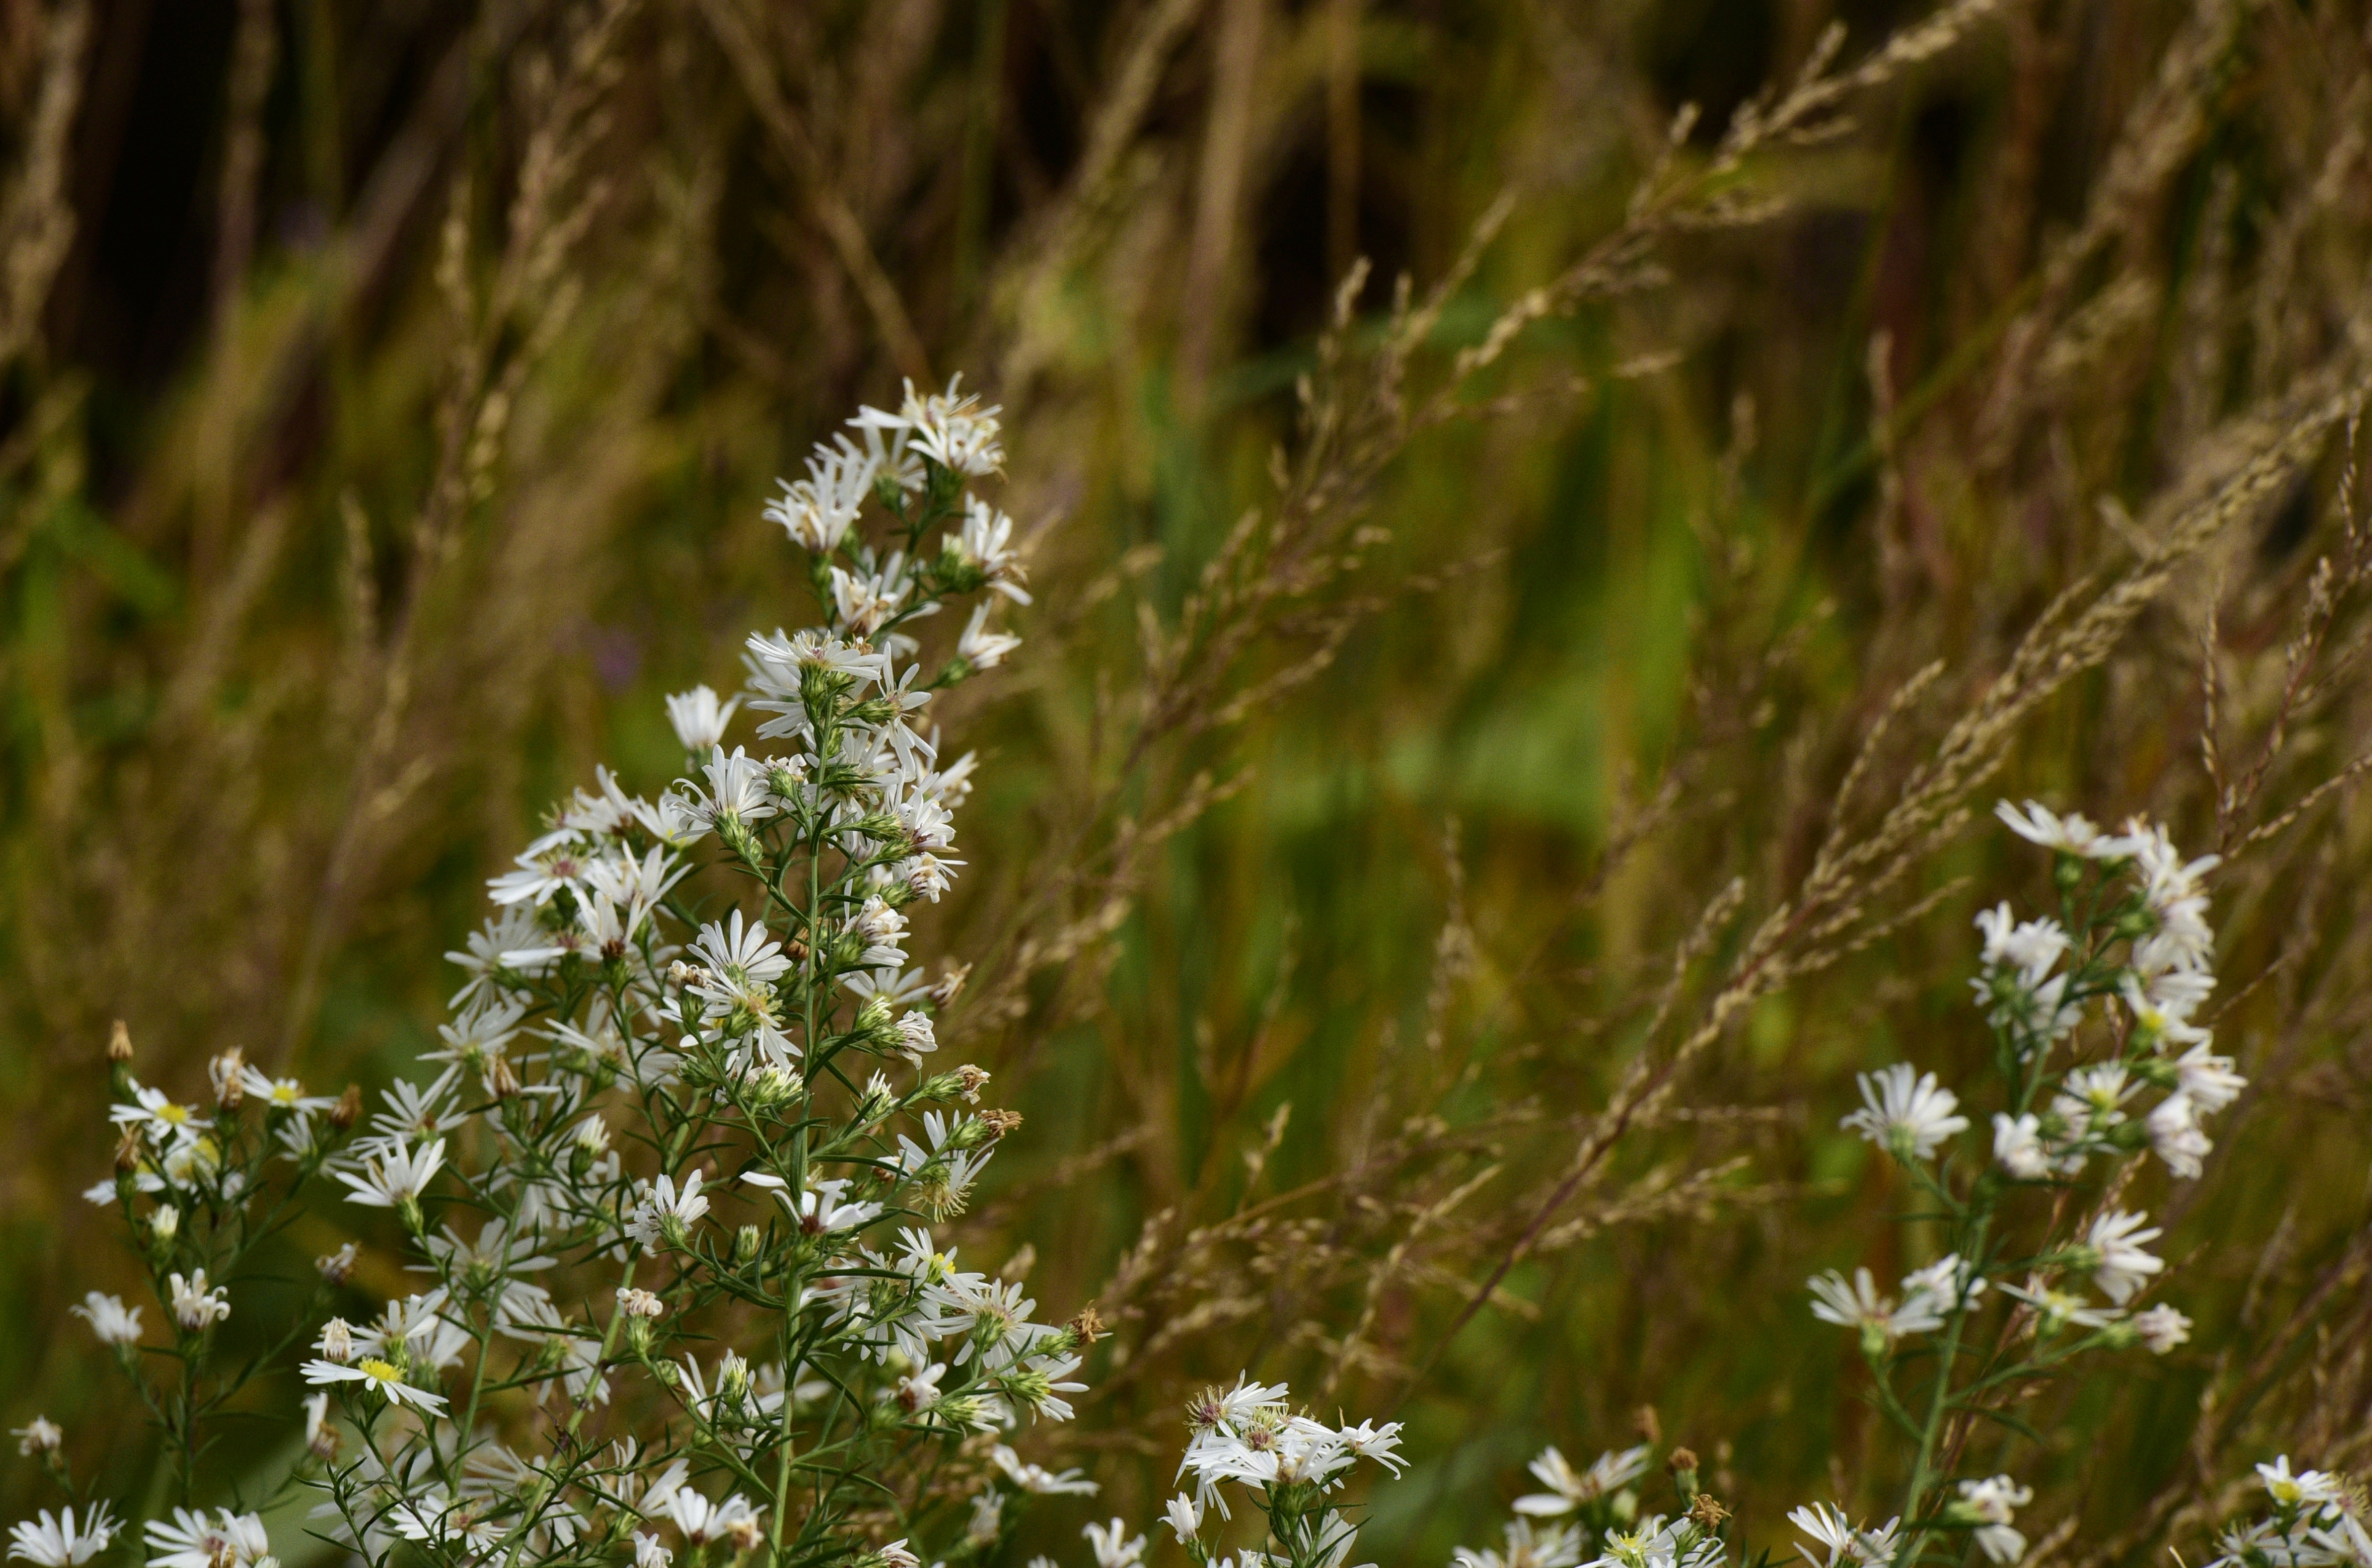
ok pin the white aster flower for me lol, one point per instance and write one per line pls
(2301, 1490)
(114, 1323)
(2176, 1135)
(382, 1378)
(58, 1541)
(2162, 1328)
(699, 720)
(1037, 1478)
(2112, 1253)
(1993, 1503)
(39, 1435)
(2033, 947)
(1857, 1305)
(2208, 1080)
(2072, 834)
(1183, 1515)
(196, 1307)
(2018, 1148)
(152, 1110)
(1904, 1113)
(1112, 1550)
(703, 1521)
(987, 542)
(1837, 1539)
(665, 1214)
(818, 511)
(2055, 1309)
(1527, 1545)
(1567, 1490)
(982, 648)
(394, 1177)
(193, 1540)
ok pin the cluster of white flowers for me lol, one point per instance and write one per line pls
(2131, 947)
(2312, 1519)
(2137, 935)
(683, 1102)
(639, 1050)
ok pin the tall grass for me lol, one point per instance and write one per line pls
(1499, 749)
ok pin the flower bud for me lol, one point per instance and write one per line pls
(118, 1043)
(745, 1245)
(339, 1266)
(349, 1108)
(224, 1072)
(165, 1224)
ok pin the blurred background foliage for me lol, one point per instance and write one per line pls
(392, 388)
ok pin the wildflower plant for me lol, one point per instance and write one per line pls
(2097, 1065)
(671, 1189)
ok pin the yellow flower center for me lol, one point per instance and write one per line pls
(380, 1371)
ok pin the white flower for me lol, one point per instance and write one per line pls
(2072, 834)
(282, 1094)
(2089, 1096)
(2162, 1328)
(649, 1553)
(1037, 1478)
(1858, 1305)
(2033, 949)
(1904, 1113)
(317, 1416)
(154, 1109)
(950, 428)
(818, 510)
(1527, 1546)
(382, 1377)
(1111, 1549)
(192, 1541)
(2117, 1261)
(1944, 1285)
(987, 542)
(396, 1176)
(2175, 1133)
(896, 1555)
(979, 646)
(2161, 1007)
(1184, 1517)
(2305, 1488)
(820, 1208)
(2054, 1308)
(743, 959)
(698, 719)
(114, 1323)
(39, 1435)
(703, 1521)
(195, 1307)
(1994, 1503)
(2208, 1080)
(665, 1213)
(56, 1541)
(2018, 1146)
(1609, 1473)
(1831, 1531)
(864, 602)
(640, 1303)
